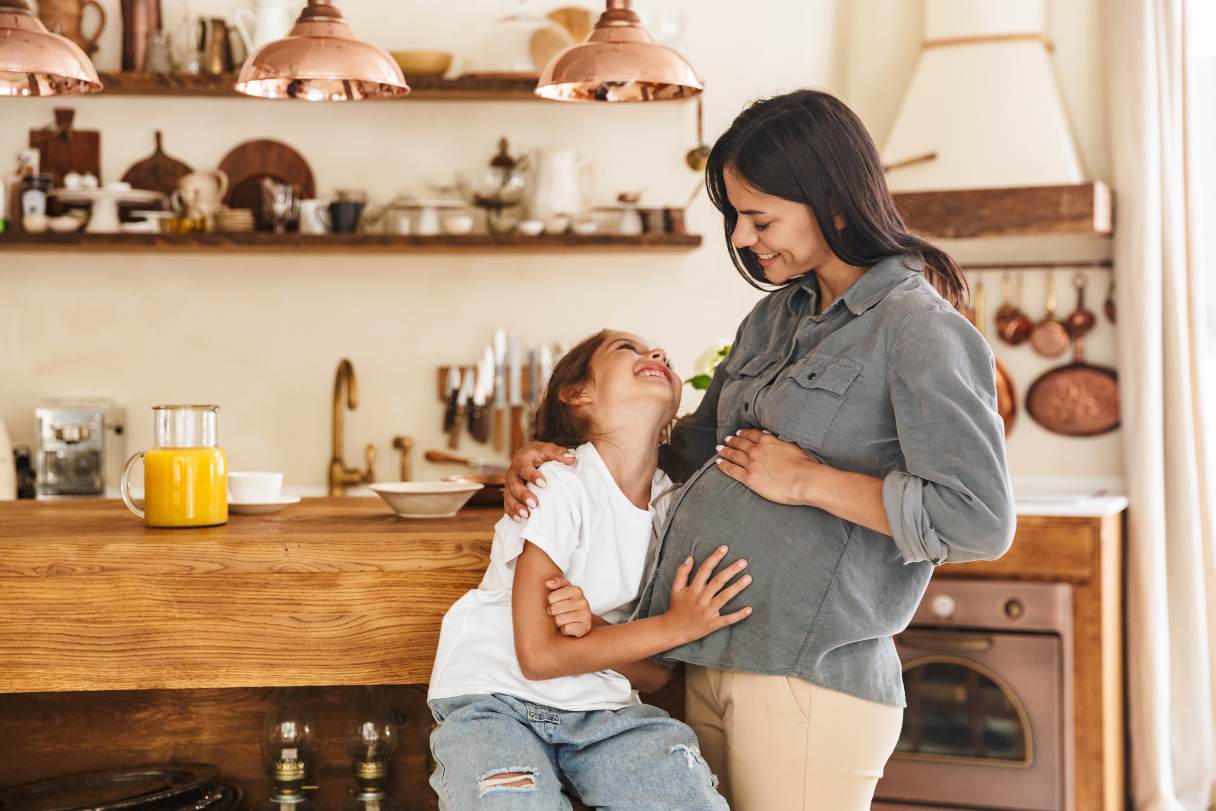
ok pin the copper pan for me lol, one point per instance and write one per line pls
(1077, 399)
(1006, 394)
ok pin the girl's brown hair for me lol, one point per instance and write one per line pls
(557, 421)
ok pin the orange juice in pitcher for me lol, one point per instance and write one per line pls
(185, 474)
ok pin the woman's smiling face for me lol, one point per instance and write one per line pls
(781, 234)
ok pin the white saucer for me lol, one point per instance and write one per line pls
(261, 508)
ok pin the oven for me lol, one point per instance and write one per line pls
(988, 674)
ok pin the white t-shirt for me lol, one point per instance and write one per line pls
(600, 540)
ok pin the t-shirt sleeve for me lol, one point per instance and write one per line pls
(553, 526)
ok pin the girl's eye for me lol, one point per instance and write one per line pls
(762, 226)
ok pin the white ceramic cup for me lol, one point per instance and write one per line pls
(254, 487)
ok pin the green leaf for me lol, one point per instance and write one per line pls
(699, 382)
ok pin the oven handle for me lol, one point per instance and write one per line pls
(948, 643)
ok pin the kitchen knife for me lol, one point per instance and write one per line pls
(483, 390)
(450, 390)
(500, 388)
(532, 395)
(462, 403)
(515, 393)
(546, 367)
(477, 403)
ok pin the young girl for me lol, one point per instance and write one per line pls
(526, 709)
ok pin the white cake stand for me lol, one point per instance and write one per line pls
(104, 202)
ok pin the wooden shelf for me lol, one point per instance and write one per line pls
(487, 88)
(1086, 208)
(264, 242)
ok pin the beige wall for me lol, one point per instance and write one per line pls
(261, 335)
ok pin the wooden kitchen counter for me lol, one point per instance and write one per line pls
(325, 592)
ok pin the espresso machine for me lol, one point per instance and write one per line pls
(81, 447)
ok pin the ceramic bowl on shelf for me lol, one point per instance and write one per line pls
(425, 499)
(422, 63)
(66, 224)
(458, 224)
(531, 228)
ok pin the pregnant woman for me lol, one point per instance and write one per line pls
(848, 444)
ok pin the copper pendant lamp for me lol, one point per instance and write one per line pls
(321, 60)
(35, 62)
(619, 61)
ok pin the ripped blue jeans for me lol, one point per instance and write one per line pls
(498, 752)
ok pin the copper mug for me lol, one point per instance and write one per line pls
(66, 17)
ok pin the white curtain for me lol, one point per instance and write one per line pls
(1161, 95)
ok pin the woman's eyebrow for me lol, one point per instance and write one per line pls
(751, 212)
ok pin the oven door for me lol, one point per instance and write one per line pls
(984, 725)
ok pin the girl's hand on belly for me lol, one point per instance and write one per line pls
(779, 471)
(569, 608)
(696, 603)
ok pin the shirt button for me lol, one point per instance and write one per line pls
(811, 376)
(745, 407)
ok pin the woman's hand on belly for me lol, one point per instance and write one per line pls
(771, 468)
(784, 473)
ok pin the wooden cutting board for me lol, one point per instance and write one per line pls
(157, 172)
(66, 149)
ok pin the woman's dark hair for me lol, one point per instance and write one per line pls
(808, 147)
(557, 421)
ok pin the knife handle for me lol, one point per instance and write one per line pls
(500, 428)
(517, 428)
(454, 435)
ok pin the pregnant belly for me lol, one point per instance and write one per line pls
(791, 551)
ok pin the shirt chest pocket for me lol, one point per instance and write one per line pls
(744, 378)
(812, 396)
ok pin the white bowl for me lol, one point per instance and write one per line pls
(426, 499)
(254, 487)
(458, 224)
(585, 228)
(35, 223)
(65, 224)
(531, 228)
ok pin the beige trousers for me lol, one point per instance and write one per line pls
(778, 743)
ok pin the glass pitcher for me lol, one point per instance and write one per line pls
(185, 473)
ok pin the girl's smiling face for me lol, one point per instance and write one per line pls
(781, 234)
(626, 373)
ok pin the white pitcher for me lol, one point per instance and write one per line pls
(271, 20)
(561, 182)
(200, 194)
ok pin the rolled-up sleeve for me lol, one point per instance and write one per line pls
(953, 502)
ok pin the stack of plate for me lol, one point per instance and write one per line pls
(176, 787)
(234, 219)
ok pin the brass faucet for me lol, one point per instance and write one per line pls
(340, 476)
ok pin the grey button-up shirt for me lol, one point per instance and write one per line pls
(889, 381)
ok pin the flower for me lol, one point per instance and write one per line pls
(706, 363)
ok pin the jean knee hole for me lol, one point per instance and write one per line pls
(510, 779)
